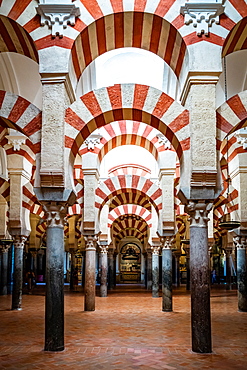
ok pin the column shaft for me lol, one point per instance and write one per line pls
(103, 279)
(18, 273)
(110, 271)
(89, 304)
(149, 271)
(166, 279)
(200, 290)
(242, 279)
(54, 307)
(155, 275)
(4, 272)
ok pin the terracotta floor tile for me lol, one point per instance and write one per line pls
(127, 331)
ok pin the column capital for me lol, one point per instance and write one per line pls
(55, 212)
(240, 241)
(90, 242)
(19, 241)
(155, 249)
(103, 249)
(166, 242)
(198, 211)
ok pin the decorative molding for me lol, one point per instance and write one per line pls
(55, 213)
(203, 178)
(240, 241)
(198, 213)
(16, 141)
(51, 178)
(57, 15)
(92, 141)
(198, 78)
(202, 14)
(163, 141)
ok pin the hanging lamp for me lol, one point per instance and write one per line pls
(227, 223)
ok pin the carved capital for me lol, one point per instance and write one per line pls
(155, 250)
(55, 213)
(4, 248)
(92, 141)
(19, 241)
(163, 141)
(167, 242)
(90, 242)
(103, 249)
(57, 16)
(202, 14)
(198, 212)
(240, 241)
(16, 141)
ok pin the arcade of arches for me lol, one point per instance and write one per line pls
(123, 151)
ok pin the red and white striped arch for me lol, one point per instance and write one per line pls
(5, 189)
(124, 184)
(19, 114)
(131, 209)
(30, 202)
(237, 38)
(14, 38)
(126, 133)
(128, 29)
(126, 102)
(137, 198)
(231, 116)
(130, 169)
(156, 12)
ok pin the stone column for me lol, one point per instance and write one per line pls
(110, 269)
(187, 251)
(240, 242)
(149, 269)
(18, 271)
(90, 246)
(228, 252)
(177, 255)
(54, 305)
(166, 243)
(155, 271)
(72, 268)
(200, 280)
(4, 270)
(103, 267)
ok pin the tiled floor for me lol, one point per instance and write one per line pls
(128, 330)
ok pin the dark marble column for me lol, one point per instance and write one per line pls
(241, 242)
(149, 270)
(72, 268)
(18, 272)
(177, 266)
(155, 271)
(103, 268)
(200, 280)
(167, 243)
(110, 269)
(90, 246)
(228, 252)
(187, 251)
(54, 304)
(4, 270)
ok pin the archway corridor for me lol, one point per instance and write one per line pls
(128, 330)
